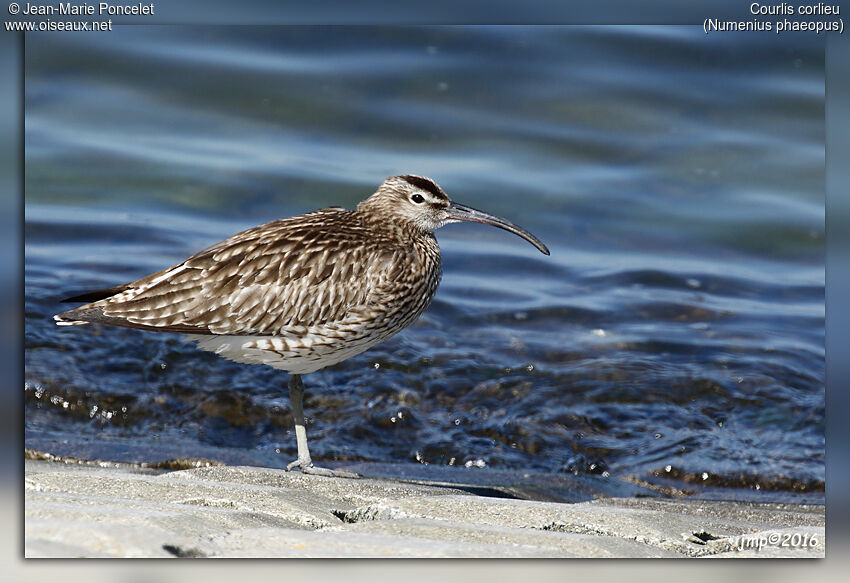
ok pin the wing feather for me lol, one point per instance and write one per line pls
(317, 269)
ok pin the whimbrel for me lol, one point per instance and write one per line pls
(301, 293)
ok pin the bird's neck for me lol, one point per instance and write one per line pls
(394, 227)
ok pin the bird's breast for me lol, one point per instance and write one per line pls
(418, 278)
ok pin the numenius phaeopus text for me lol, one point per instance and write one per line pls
(302, 293)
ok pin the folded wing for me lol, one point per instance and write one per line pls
(311, 270)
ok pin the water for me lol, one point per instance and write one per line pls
(675, 336)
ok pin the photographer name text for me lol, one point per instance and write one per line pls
(85, 9)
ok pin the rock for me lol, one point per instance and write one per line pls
(224, 511)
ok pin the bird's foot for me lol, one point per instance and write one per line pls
(308, 468)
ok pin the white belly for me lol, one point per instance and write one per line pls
(301, 358)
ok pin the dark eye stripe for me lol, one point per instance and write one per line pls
(426, 184)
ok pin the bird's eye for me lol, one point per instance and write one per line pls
(417, 198)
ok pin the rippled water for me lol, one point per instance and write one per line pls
(674, 336)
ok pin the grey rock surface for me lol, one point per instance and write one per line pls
(222, 511)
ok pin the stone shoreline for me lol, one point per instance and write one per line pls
(227, 511)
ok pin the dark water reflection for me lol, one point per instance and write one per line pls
(675, 334)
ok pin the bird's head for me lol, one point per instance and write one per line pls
(421, 203)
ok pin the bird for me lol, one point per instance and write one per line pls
(301, 293)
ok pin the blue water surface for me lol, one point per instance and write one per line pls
(674, 336)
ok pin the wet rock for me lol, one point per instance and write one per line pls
(224, 511)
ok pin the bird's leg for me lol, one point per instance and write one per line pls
(296, 399)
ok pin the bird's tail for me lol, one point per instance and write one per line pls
(77, 316)
(65, 319)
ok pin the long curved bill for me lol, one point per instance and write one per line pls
(461, 212)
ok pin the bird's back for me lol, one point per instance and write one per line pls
(329, 272)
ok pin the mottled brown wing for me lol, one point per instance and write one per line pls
(305, 271)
